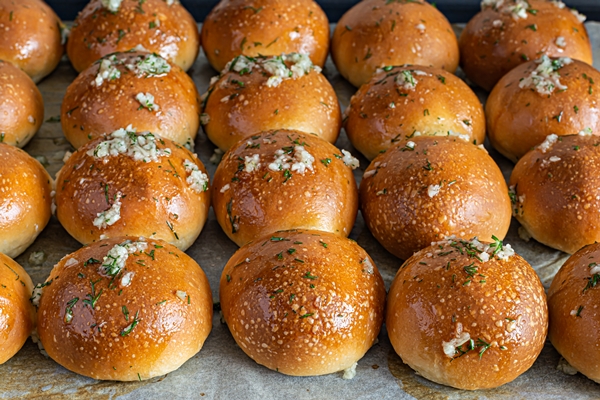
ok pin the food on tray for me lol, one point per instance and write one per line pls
(284, 179)
(124, 309)
(25, 200)
(554, 191)
(542, 97)
(507, 33)
(431, 187)
(133, 183)
(103, 27)
(21, 106)
(16, 311)
(376, 33)
(303, 302)
(136, 88)
(265, 27)
(254, 94)
(401, 102)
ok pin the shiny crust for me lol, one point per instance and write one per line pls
(168, 30)
(382, 112)
(251, 204)
(376, 33)
(265, 27)
(156, 202)
(25, 200)
(31, 37)
(21, 106)
(16, 311)
(488, 52)
(93, 344)
(557, 201)
(308, 104)
(519, 119)
(395, 202)
(88, 111)
(320, 296)
(429, 299)
(573, 312)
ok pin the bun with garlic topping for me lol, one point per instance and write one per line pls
(431, 187)
(133, 184)
(25, 200)
(254, 94)
(467, 314)
(401, 102)
(507, 33)
(284, 179)
(265, 27)
(21, 106)
(32, 37)
(554, 191)
(103, 27)
(303, 302)
(376, 33)
(124, 310)
(16, 311)
(136, 88)
(539, 98)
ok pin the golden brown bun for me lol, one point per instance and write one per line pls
(442, 293)
(157, 198)
(443, 186)
(384, 112)
(555, 192)
(31, 36)
(21, 106)
(240, 104)
(303, 302)
(520, 118)
(89, 111)
(263, 200)
(265, 27)
(168, 30)
(25, 200)
(87, 317)
(490, 49)
(572, 304)
(16, 311)
(376, 33)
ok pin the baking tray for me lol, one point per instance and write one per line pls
(221, 369)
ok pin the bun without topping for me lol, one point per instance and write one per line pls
(303, 302)
(125, 311)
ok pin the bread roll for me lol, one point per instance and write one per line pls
(284, 179)
(398, 102)
(539, 98)
(133, 184)
(134, 88)
(265, 27)
(467, 314)
(25, 200)
(303, 302)
(21, 106)
(159, 26)
(572, 304)
(16, 311)
(554, 192)
(432, 187)
(508, 33)
(376, 33)
(31, 36)
(124, 310)
(255, 94)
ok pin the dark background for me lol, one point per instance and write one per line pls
(454, 10)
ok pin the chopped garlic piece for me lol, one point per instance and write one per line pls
(197, 179)
(139, 146)
(350, 160)
(224, 188)
(433, 190)
(547, 144)
(111, 5)
(147, 101)
(115, 259)
(516, 8)
(107, 70)
(560, 41)
(350, 373)
(110, 216)
(461, 338)
(252, 163)
(204, 118)
(545, 77)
